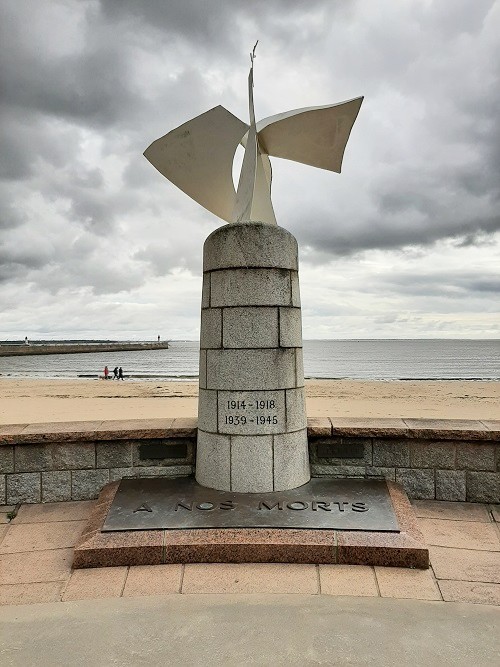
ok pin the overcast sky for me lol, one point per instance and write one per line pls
(405, 243)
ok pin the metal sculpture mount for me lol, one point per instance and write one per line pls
(198, 156)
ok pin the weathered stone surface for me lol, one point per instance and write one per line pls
(207, 410)
(213, 458)
(3, 490)
(257, 409)
(319, 427)
(250, 287)
(205, 291)
(56, 486)
(290, 327)
(6, 459)
(251, 463)
(295, 409)
(121, 473)
(299, 367)
(294, 280)
(382, 473)
(250, 244)
(291, 460)
(113, 455)
(472, 456)
(450, 485)
(432, 454)
(252, 327)
(391, 453)
(483, 487)
(238, 369)
(203, 369)
(86, 484)
(447, 429)
(55, 456)
(418, 484)
(337, 471)
(379, 427)
(23, 488)
(163, 471)
(211, 328)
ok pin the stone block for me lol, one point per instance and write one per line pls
(251, 412)
(250, 287)
(163, 471)
(291, 460)
(3, 490)
(202, 372)
(250, 244)
(23, 488)
(471, 456)
(391, 453)
(121, 473)
(56, 486)
(381, 473)
(450, 485)
(113, 454)
(299, 367)
(251, 463)
(290, 327)
(205, 291)
(483, 487)
(207, 410)
(319, 427)
(87, 484)
(296, 418)
(251, 327)
(211, 328)
(432, 454)
(294, 282)
(6, 459)
(213, 460)
(418, 484)
(238, 369)
(55, 456)
(337, 471)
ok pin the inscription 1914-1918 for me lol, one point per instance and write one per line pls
(251, 412)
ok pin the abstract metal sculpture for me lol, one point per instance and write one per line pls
(198, 156)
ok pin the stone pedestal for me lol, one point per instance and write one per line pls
(252, 434)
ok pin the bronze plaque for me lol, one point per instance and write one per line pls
(342, 504)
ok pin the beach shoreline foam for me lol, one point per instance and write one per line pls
(27, 401)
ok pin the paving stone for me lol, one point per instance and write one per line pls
(24, 488)
(87, 484)
(466, 591)
(356, 580)
(433, 509)
(417, 483)
(450, 485)
(250, 327)
(6, 459)
(56, 486)
(483, 487)
(495, 513)
(55, 456)
(41, 536)
(432, 454)
(36, 566)
(211, 328)
(391, 453)
(465, 564)
(471, 456)
(250, 578)
(401, 582)
(153, 580)
(32, 593)
(95, 583)
(114, 454)
(57, 511)
(460, 534)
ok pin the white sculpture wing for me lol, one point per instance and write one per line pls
(198, 156)
(315, 135)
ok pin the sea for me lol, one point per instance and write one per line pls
(436, 359)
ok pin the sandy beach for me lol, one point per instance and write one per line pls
(24, 401)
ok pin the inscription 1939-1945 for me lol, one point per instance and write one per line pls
(144, 504)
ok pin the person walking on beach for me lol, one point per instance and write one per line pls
(115, 373)
(120, 373)
(106, 372)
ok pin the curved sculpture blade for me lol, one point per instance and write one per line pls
(316, 136)
(198, 156)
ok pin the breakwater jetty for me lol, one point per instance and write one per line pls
(22, 350)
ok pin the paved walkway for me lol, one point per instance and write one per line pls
(36, 550)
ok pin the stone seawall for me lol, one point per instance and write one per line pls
(34, 348)
(446, 459)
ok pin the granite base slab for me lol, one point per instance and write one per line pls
(251, 545)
